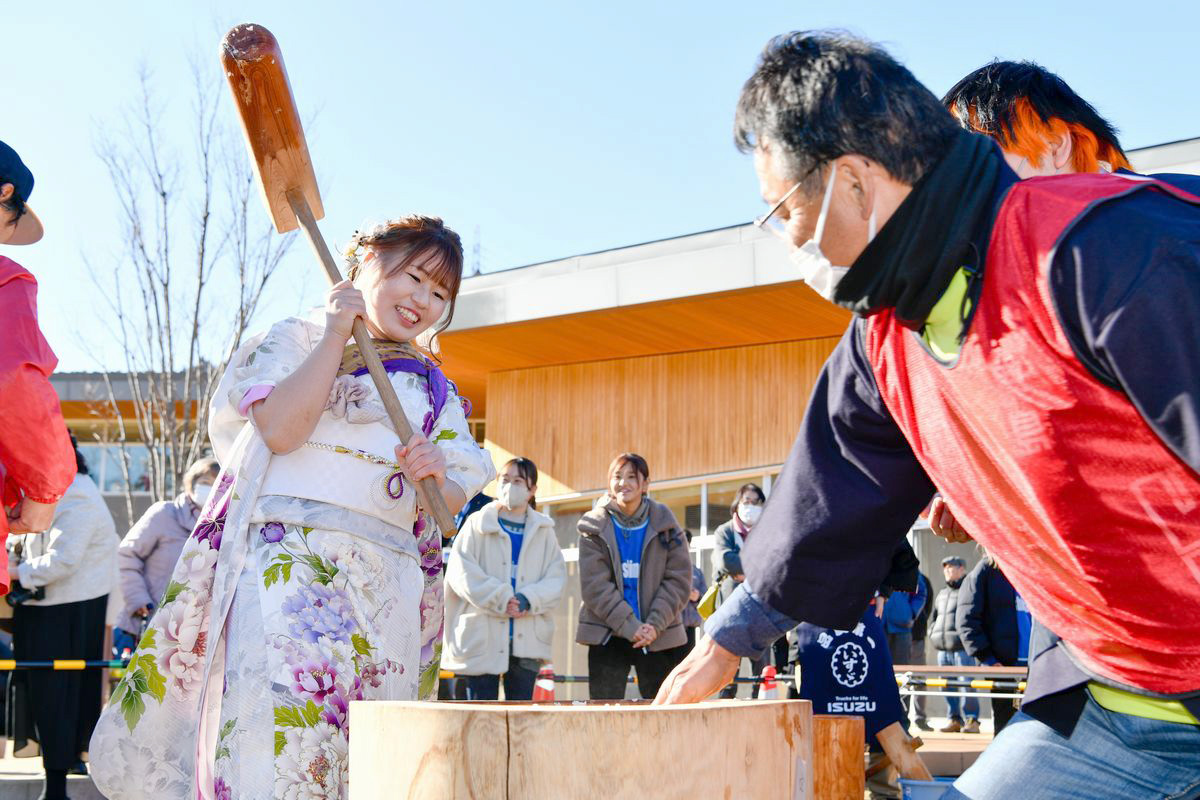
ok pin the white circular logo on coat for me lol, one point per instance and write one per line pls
(849, 663)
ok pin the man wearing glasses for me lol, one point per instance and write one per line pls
(1027, 348)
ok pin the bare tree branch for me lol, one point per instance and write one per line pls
(197, 256)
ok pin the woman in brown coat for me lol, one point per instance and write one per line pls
(635, 574)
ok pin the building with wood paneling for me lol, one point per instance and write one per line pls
(698, 352)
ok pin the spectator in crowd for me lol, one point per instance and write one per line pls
(943, 631)
(36, 464)
(65, 576)
(994, 625)
(919, 629)
(900, 613)
(745, 509)
(148, 552)
(691, 615)
(504, 578)
(635, 575)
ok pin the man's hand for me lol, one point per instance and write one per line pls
(644, 636)
(704, 672)
(29, 516)
(513, 609)
(695, 595)
(943, 523)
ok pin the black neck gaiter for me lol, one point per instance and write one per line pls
(909, 265)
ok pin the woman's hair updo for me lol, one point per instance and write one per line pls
(422, 241)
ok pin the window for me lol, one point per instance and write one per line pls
(104, 465)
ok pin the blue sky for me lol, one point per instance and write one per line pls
(552, 128)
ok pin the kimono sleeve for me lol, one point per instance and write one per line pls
(467, 464)
(277, 355)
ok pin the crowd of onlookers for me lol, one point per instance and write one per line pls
(79, 591)
(644, 599)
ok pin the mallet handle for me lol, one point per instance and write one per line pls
(428, 493)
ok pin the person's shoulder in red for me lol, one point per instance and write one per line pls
(37, 461)
(11, 270)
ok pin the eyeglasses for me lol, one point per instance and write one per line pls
(772, 223)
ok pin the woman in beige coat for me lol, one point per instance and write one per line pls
(504, 577)
(635, 575)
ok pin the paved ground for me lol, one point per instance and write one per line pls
(21, 779)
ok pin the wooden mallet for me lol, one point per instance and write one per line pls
(254, 66)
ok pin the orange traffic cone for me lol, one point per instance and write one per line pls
(768, 687)
(543, 688)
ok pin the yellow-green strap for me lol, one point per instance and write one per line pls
(1135, 705)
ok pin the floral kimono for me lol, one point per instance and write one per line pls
(311, 579)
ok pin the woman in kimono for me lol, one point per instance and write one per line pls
(312, 577)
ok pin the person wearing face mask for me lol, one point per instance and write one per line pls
(745, 509)
(148, 552)
(504, 579)
(635, 576)
(1026, 349)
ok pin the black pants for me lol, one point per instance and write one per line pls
(1003, 709)
(518, 683)
(64, 705)
(608, 668)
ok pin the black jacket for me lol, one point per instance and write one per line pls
(921, 622)
(987, 615)
(943, 625)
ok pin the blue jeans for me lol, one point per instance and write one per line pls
(518, 684)
(959, 658)
(1108, 755)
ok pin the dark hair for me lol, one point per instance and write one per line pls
(81, 466)
(818, 95)
(527, 470)
(1014, 101)
(14, 205)
(634, 460)
(746, 487)
(426, 242)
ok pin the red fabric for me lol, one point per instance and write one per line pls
(1094, 520)
(36, 457)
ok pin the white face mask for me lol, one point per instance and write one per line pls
(513, 495)
(200, 493)
(749, 514)
(815, 269)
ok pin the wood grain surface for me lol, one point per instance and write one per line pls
(463, 751)
(687, 413)
(838, 744)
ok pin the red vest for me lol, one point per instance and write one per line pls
(1094, 520)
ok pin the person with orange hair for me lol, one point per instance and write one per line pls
(1041, 124)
